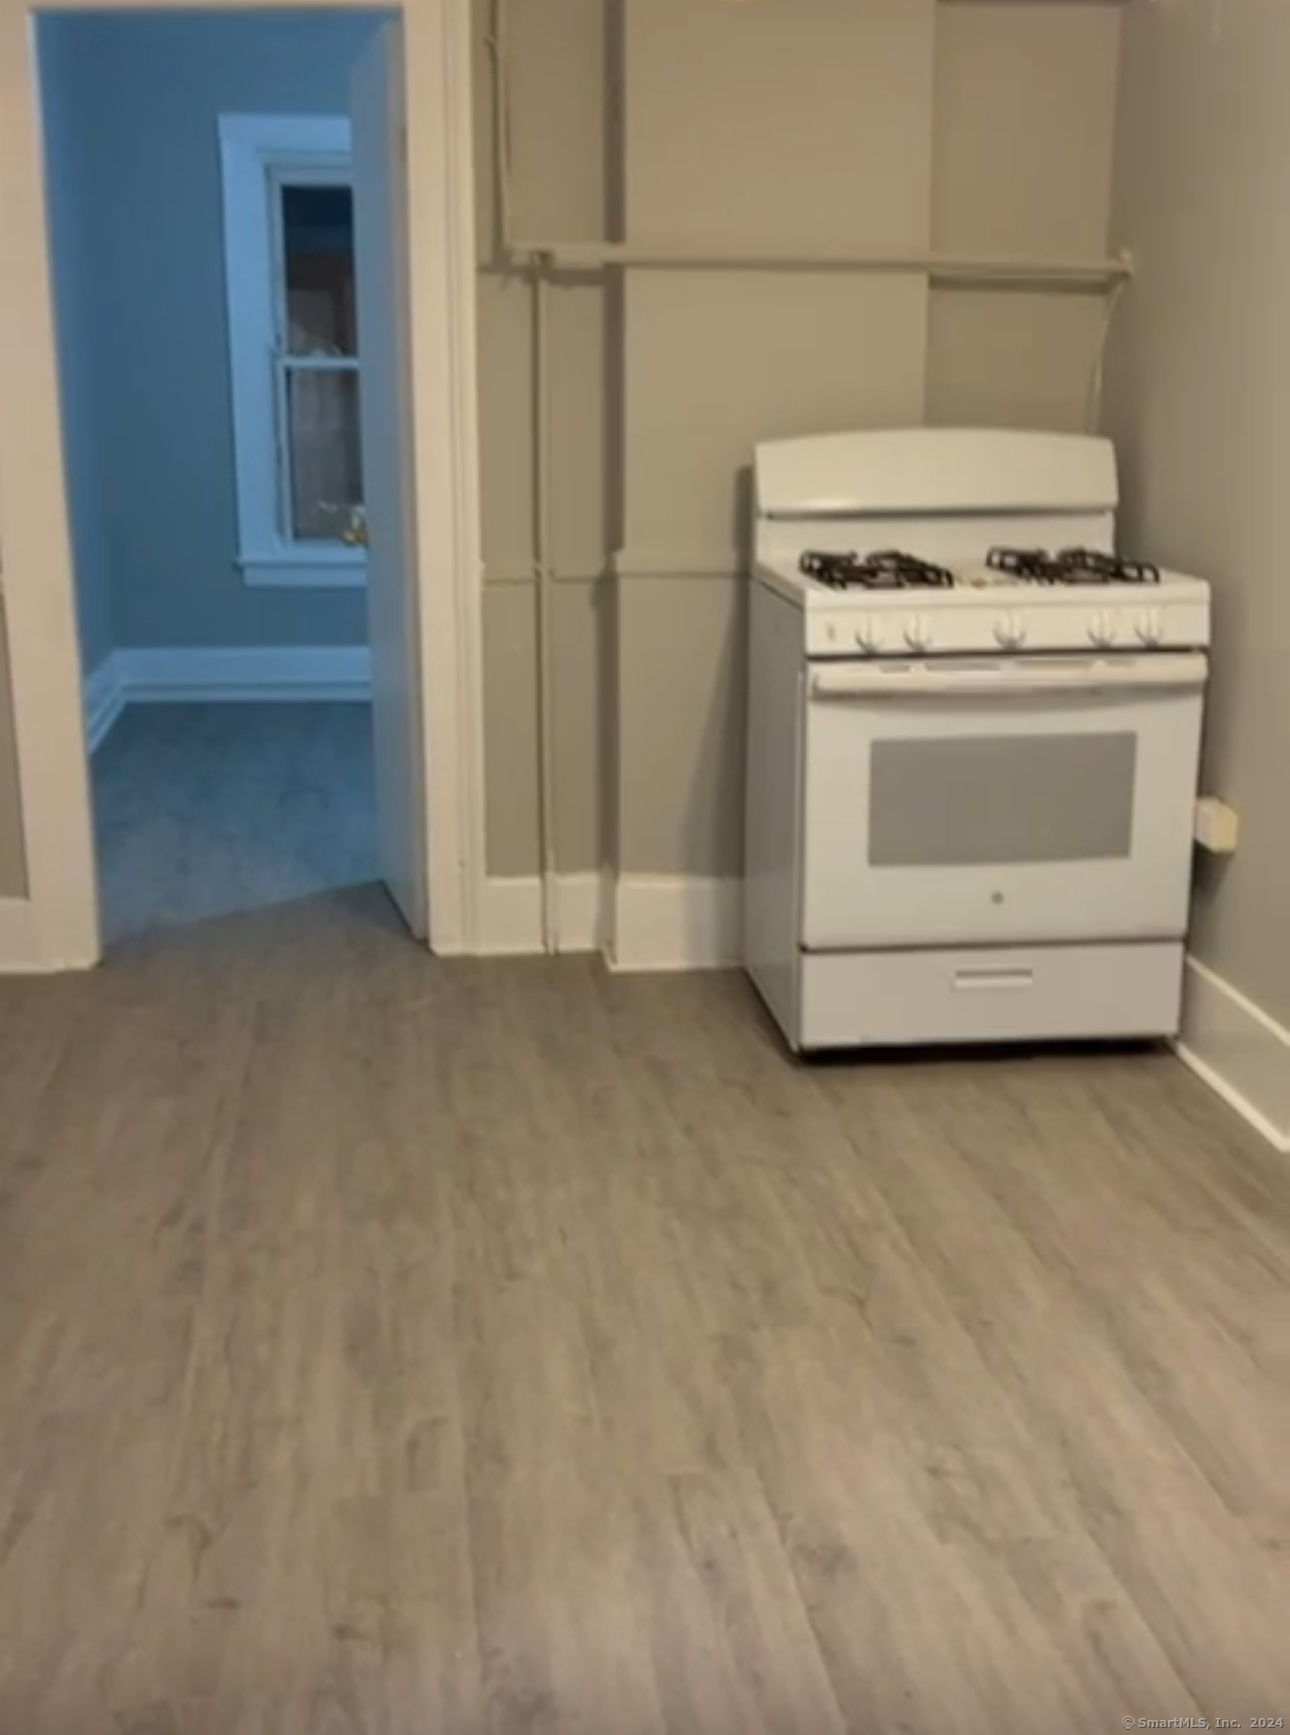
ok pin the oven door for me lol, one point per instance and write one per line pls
(988, 802)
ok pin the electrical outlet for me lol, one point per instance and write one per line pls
(1218, 826)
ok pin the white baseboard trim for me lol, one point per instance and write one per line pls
(640, 922)
(676, 923)
(246, 672)
(104, 701)
(21, 953)
(1239, 1051)
(510, 916)
(234, 673)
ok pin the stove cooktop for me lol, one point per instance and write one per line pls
(891, 569)
(1070, 566)
(895, 569)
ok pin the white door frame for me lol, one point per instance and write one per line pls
(57, 926)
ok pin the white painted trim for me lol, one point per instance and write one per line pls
(641, 922)
(510, 918)
(511, 915)
(38, 580)
(1239, 1051)
(251, 147)
(445, 400)
(235, 673)
(39, 596)
(666, 923)
(288, 573)
(21, 952)
(25, 949)
(580, 913)
(606, 910)
(104, 701)
(245, 672)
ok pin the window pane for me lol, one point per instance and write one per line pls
(991, 800)
(318, 259)
(325, 455)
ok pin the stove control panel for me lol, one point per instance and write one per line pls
(1104, 629)
(945, 627)
(1150, 628)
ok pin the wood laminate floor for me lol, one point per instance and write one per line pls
(391, 1347)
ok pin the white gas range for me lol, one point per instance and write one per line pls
(974, 740)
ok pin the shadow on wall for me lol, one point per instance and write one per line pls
(742, 535)
(714, 813)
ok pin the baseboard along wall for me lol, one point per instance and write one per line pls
(21, 953)
(1239, 1051)
(233, 673)
(641, 922)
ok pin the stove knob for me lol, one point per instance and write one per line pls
(1151, 627)
(867, 637)
(1010, 631)
(918, 633)
(1102, 630)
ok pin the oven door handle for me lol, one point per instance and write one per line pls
(1011, 681)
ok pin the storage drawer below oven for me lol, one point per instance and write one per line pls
(1014, 994)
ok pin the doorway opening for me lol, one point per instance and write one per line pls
(227, 221)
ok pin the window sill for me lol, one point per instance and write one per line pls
(344, 570)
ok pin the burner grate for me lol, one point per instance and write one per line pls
(888, 569)
(1071, 566)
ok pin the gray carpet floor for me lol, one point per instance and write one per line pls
(209, 810)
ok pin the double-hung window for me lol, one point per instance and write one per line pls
(293, 339)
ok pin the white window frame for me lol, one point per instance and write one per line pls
(257, 152)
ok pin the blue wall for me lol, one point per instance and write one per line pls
(131, 106)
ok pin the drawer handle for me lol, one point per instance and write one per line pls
(986, 981)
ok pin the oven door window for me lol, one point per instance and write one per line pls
(998, 820)
(1002, 799)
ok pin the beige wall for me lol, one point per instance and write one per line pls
(785, 128)
(1197, 400)
(1024, 100)
(13, 867)
(979, 128)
